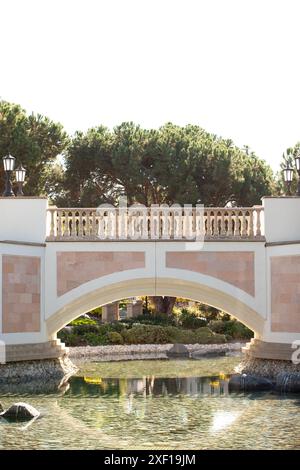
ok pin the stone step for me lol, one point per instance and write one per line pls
(26, 352)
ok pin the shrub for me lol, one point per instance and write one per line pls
(202, 336)
(151, 319)
(115, 338)
(94, 339)
(70, 339)
(233, 329)
(82, 329)
(145, 334)
(189, 320)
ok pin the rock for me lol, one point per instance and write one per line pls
(249, 383)
(1, 408)
(20, 412)
(200, 354)
(288, 382)
(177, 351)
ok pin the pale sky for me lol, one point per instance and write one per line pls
(230, 66)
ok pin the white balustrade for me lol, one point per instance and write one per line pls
(156, 223)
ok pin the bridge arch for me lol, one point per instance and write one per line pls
(163, 286)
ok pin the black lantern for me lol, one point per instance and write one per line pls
(20, 178)
(288, 178)
(9, 165)
(297, 161)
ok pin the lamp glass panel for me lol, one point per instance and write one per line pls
(20, 175)
(9, 163)
(288, 175)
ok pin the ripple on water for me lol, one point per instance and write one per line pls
(155, 405)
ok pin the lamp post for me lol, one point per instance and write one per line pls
(297, 161)
(288, 178)
(20, 178)
(9, 165)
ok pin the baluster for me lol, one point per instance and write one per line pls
(80, 224)
(165, 234)
(122, 223)
(237, 224)
(66, 227)
(258, 222)
(154, 222)
(52, 225)
(145, 232)
(222, 231)
(73, 223)
(208, 224)
(93, 234)
(244, 224)
(251, 228)
(101, 225)
(216, 228)
(229, 226)
(199, 223)
(59, 224)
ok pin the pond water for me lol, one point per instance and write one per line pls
(155, 405)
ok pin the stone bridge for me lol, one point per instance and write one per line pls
(57, 264)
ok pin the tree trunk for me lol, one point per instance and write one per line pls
(163, 304)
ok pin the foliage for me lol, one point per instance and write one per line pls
(201, 335)
(288, 160)
(233, 329)
(114, 337)
(151, 319)
(145, 334)
(170, 165)
(189, 319)
(83, 321)
(35, 141)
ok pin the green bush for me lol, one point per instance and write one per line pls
(151, 319)
(82, 329)
(233, 329)
(70, 339)
(189, 320)
(115, 338)
(145, 334)
(94, 339)
(202, 336)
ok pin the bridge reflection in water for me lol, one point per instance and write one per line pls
(149, 386)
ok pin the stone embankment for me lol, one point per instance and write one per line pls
(147, 351)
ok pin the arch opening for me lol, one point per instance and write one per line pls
(164, 287)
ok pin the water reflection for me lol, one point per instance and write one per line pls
(155, 405)
(149, 386)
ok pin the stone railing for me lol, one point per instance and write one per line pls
(214, 223)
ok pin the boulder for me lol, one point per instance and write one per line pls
(178, 351)
(200, 354)
(20, 412)
(288, 382)
(1, 408)
(249, 383)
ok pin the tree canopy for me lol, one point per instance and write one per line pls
(35, 141)
(170, 165)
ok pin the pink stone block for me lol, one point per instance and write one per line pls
(76, 268)
(20, 277)
(236, 268)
